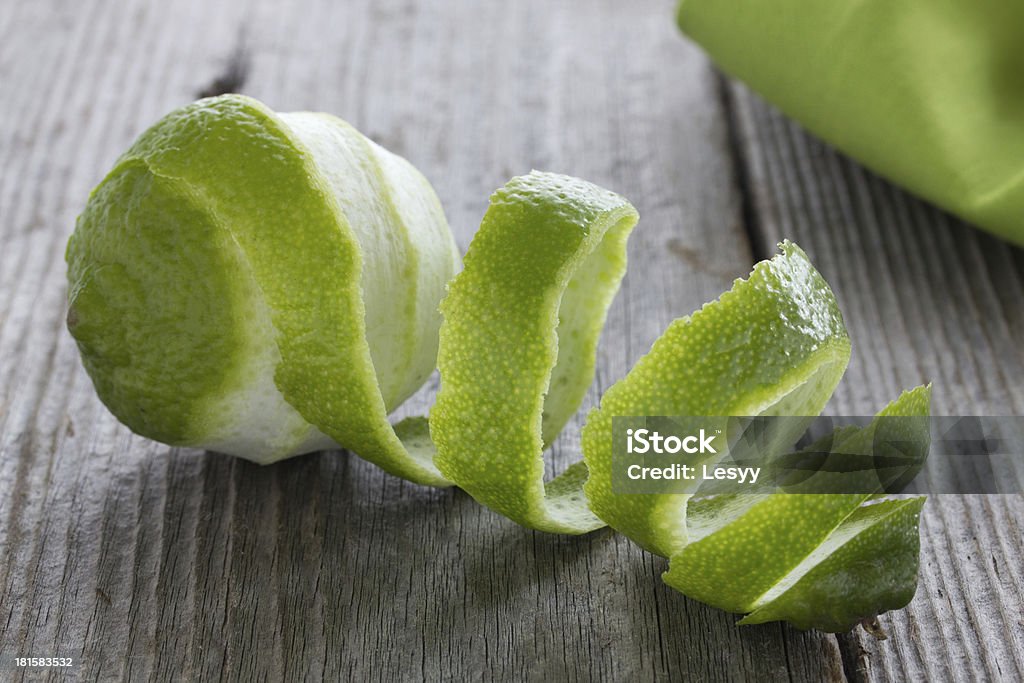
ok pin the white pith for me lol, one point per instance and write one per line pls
(407, 248)
(253, 420)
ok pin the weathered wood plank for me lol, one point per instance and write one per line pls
(148, 562)
(927, 299)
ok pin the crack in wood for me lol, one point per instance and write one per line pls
(756, 236)
(235, 73)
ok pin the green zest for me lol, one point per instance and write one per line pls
(268, 284)
(521, 324)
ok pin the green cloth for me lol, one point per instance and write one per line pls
(929, 93)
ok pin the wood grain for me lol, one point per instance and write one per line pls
(147, 562)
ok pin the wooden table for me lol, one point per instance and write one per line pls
(148, 562)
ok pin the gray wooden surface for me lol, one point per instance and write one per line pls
(147, 562)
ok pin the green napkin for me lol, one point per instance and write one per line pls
(929, 93)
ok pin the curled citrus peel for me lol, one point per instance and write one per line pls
(268, 284)
(520, 332)
(816, 560)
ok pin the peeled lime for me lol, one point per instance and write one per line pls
(260, 284)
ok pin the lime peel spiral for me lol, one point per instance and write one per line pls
(267, 285)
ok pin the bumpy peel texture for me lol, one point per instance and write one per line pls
(268, 284)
